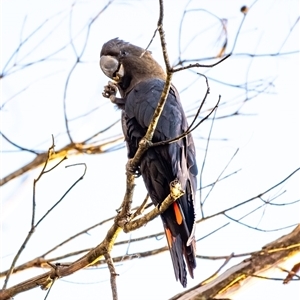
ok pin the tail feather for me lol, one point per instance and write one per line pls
(176, 251)
(190, 257)
(182, 253)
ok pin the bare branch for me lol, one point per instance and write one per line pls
(271, 255)
(70, 149)
(113, 276)
(33, 224)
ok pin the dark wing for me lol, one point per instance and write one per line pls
(161, 165)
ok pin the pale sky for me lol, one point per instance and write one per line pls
(267, 138)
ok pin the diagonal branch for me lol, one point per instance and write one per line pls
(45, 280)
(70, 149)
(270, 256)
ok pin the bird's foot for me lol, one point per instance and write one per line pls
(110, 91)
(132, 170)
(175, 189)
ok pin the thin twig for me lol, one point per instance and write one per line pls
(113, 276)
(250, 199)
(33, 226)
(215, 274)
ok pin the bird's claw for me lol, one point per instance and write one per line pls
(110, 91)
(130, 169)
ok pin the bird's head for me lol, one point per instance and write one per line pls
(128, 64)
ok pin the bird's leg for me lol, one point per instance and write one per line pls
(110, 92)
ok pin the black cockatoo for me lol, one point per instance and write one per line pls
(140, 81)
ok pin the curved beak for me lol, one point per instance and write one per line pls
(111, 67)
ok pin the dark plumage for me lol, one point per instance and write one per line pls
(140, 81)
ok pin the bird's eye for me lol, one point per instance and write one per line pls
(123, 53)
